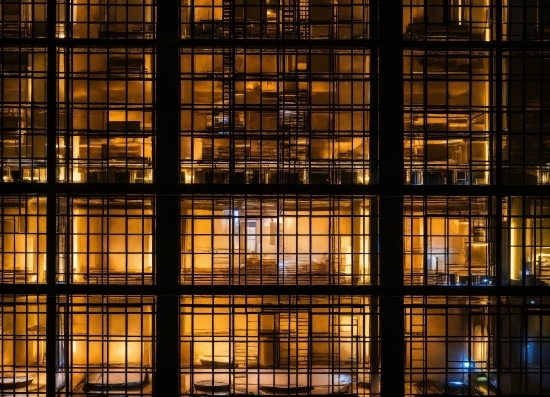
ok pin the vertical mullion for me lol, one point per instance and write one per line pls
(390, 48)
(166, 176)
(497, 166)
(498, 131)
(373, 178)
(51, 207)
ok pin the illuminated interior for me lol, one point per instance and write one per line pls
(22, 239)
(109, 344)
(274, 197)
(315, 19)
(527, 240)
(286, 116)
(450, 339)
(448, 242)
(112, 19)
(111, 239)
(23, 344)
(275, 344)
(444, 20)
(269, 241)
(110, 111)
(447, 137)
(23, 115)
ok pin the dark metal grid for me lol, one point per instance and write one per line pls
(451, 346)
(23, 344)
(388, 205)
(106, 343)
(107, 19)
(106, 239)
(303, 20)
(108, 113)
(297, 116)
(287, 240)
(20, 20)
(249, 343)
(525, 143)
(23, 114)
(526, 223)
(448, 135)
(449, 241)
(22, 239)
(447, 20)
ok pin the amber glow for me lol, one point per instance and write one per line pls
(261, 184)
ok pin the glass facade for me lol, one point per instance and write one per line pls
(274, 197)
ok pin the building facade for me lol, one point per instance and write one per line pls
(275, 197)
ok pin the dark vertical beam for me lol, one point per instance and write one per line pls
(374, 92)
(167, 95)
(392, 358)
(374, 350)
(166, 355)
(390, 50)
(166, 175)
(51, 232)
(390, 143)
(496, 168)
(496, 135)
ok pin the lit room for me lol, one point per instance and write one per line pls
(109, 345)
(22, 19)
(23, 345)
(111, 19)
(22, 239)
(526, 241)
(449, 347)
(277, 115)
(444, 20)
(23, 128)
(447, 242)
(111, 240)
(275, 345)
(269, 241)
(113, 145)
(315, 19)
(447, 123)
